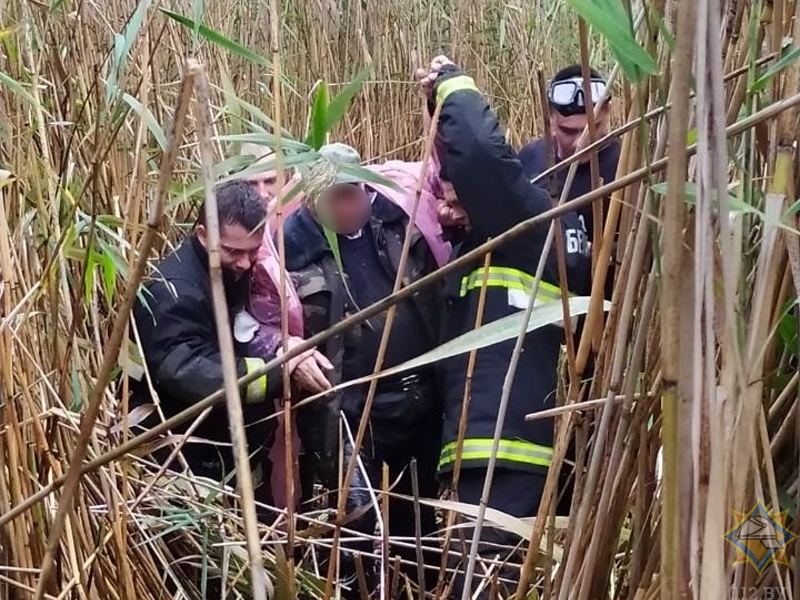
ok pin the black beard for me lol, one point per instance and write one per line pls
(236, 288)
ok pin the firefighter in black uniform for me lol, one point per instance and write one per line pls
(493, 195)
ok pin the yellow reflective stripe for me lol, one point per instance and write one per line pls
(511, 450)
(256, 390)
(485, 445)
(512, 279)
(454, 84)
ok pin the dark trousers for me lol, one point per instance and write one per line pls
(513, 492)
(424, 445)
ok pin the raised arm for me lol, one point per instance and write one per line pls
(476, 158)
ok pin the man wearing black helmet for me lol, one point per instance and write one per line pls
(565, 95)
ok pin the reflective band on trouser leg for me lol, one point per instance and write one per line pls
(256, 390)
(511, 279)
(515, 451)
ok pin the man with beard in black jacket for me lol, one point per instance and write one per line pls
(178, 334)
(490, 194)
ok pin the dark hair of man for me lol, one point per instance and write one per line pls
(238, 203)
(574, 71)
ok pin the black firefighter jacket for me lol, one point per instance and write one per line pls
(175, 320)
(491, 186)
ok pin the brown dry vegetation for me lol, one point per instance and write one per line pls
(698, 352)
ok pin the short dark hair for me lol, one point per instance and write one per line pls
(238, 203)
(575, 71)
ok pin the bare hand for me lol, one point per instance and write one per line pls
(306, 369)
(427, 76)
(309, 376)
(449, 210)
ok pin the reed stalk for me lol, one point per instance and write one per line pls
(673, 261)
(72, 478)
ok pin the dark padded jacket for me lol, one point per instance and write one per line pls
(179, 338)
(491, 186)
(535, 162)
(326, 302)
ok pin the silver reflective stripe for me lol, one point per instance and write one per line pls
(134, 365)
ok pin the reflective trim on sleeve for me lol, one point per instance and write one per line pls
(515, 451)
(454, 84)
(256, 390)
(134, 364)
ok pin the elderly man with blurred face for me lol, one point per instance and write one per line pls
(181, 350)
(568, 120)
(405, 418)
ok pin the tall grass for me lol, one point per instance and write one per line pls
(696, 359)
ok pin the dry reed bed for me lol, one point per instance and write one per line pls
(715, 383)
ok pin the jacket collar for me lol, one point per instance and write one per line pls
(198, 251)
(305, 241)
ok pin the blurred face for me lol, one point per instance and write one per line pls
(238, 247)
(567, 131)
(344, 208)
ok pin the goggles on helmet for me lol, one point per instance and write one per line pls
(567, 95)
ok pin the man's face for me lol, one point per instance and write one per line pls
(567, 131)
(238, 247)
(265, 184)
(344, 208)
(451, 213)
